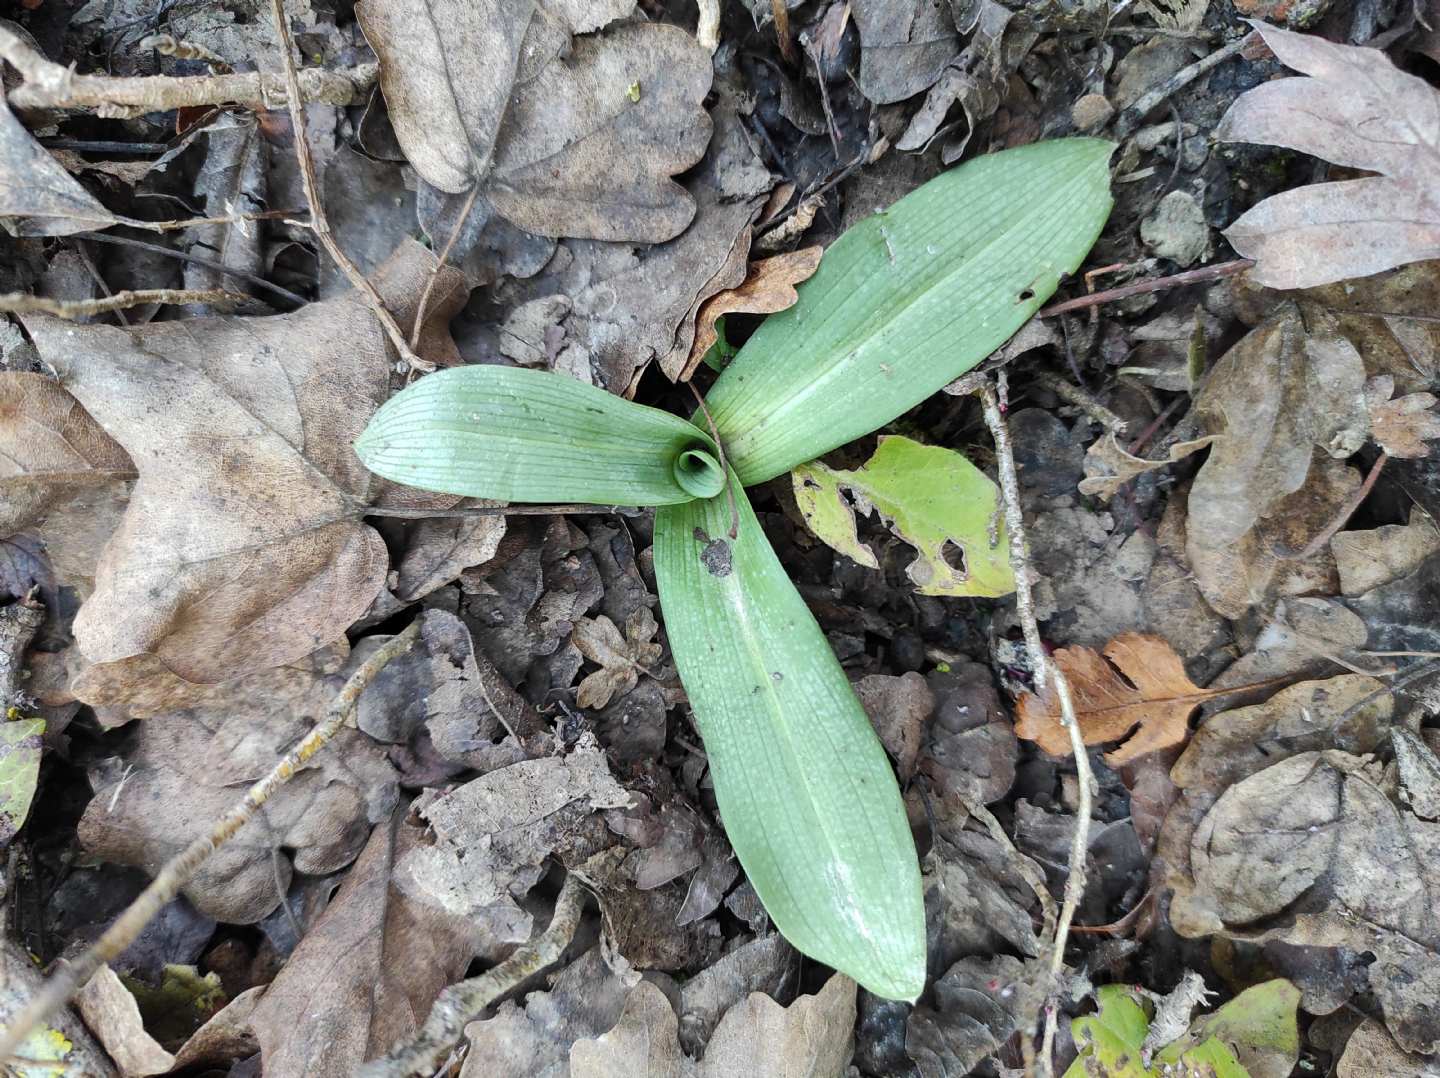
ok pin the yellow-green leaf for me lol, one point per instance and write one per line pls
(518, 435)
(933, 498)
(20, 751)
(910, 299)
(805, 790)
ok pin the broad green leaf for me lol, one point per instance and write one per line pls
(806, 793)
(20, 751)
(933, 498)
(1111, 1044)
(534, 436)
(909, 300)
(1258, 1025)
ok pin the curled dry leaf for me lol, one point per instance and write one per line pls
(1108, 466)
(769, 286)
(184, 769)
(1137, 690)
(622, 659)
(1401, 426)
(243, 545)
(1357, 110)
(37, 196)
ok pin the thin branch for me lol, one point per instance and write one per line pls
(1154, 284)
(199, 260)
(1132, 117)
(22, 303)
(49, 85)
(70, 977)
(462, 1003)
(1044, 670)
(318, 222)
(440, 264)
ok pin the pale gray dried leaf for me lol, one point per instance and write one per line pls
(232, 180)
(1419, 772)
(1371, 1050)
(534, 1039)
(367, 204)
(905, 46)
(978, 1004)
(184, 769)
(441, 548)
(1109, 466)
(767, 965)
(1401, 426)
(242, 546)
(1357, 110)
(1368, 559)
(493, 834)
(811, 1038)
(37, 196)
(366, 972)
(627, 307)
(112, 1014)
(899, 708)
(977, 901)
(622, 659)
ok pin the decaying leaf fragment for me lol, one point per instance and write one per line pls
(1109, 466)
(622, 659)
(1358, 110)
(768, 287)
(1401, 426)
(37, 196)
(1141, 694)
(932, 498)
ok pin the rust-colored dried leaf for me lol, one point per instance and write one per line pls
(1141, 694)
(767, 288)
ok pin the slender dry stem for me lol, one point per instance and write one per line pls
(49, 85)
(23, 303)
(70, 977)
(1046, 673)
(462, 1003)
(319, 224)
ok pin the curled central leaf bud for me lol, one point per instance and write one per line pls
(699, 473)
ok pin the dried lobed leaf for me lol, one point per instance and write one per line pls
(622, 659)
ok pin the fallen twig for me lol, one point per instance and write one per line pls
(1154, 284)
(1127, 121)
(199, 260)
(49, 85)
(1044, 671)
(22, 303)
(319, 224)
(462, 1003)
(70, 977)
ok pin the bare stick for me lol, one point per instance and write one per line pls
(318, 222)
(1131, 118)
(70, 977)
(1155, 284)
(49, 85)
(440, 264)
(462, 1003)
(199, 260)
(1044, 670)
(21, 303)
(707, 29)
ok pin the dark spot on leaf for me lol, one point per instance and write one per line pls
(1027, 295)
(716, 557)
(777, 676)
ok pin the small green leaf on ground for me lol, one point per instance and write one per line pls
(1258, 1025)
(933, 498)
(19, 765)
(1111, 1044)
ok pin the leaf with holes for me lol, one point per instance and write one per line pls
(931, 497)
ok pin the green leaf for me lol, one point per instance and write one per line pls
(933, 498)
(806, 793)
(1111, 1044)
(910, 299)
(1258, 1025)
(20, 751)
(518, 435)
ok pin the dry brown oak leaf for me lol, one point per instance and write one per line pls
(621, 658)
(566, 138)
(1137, 690)
(243, 546)
(1357, 110)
